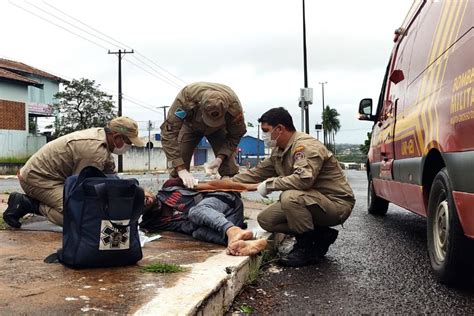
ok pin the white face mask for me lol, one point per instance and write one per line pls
(267, 139)
(122, 150)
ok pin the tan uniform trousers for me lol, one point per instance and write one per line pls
(188, 141)
(51, 200)
(292, 215)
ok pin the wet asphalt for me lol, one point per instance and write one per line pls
(378, 265)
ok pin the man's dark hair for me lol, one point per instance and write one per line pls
(277, 116)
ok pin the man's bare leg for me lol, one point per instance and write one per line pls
(236, 233)
(246, 247)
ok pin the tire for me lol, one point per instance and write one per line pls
(448, 248)
(375, 205)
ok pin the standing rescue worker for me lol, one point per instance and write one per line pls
(316, 194)
(203, 109)
(42, 177)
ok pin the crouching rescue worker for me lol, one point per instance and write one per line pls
(215, 217)
(316, 194)
(203, 109)
(43, 176)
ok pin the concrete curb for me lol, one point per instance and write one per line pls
(209, 288)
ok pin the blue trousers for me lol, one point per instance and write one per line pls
(211, 218)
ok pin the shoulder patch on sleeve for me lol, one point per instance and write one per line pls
(299, 148)
(299, 155)
(180, 113)
(299, 171)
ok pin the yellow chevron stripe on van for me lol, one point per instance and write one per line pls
(453, 36)
(428, 75)
(421, 126)
(446, 39)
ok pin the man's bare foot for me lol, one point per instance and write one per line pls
(246, 247)
(236, 233)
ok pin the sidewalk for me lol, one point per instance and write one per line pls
(208, 285)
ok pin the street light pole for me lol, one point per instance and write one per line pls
(305, 65)
(322, 113)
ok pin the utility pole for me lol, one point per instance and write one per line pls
(322, 113)
(150, 126)
(258, 144)
(119, 54)
(164, 111)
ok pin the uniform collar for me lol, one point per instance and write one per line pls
(280, 152)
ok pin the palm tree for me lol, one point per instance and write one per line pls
(332, 125)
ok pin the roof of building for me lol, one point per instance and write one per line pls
(15, 66)
(5, 74)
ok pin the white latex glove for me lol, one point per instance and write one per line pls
(262, 189)
(187, 178)
(212, 167)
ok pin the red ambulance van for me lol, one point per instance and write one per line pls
(422, 149)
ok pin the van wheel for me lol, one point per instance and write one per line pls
(375, 205)
(448, 248)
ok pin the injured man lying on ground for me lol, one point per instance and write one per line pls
(213, 212)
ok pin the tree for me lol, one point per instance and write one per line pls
(364, 148)
(82, 105)
(332, 125)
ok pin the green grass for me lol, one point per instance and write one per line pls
(254, 269)
(14, 159)
(258, 263)
(246, 309)
(3, 225)
(159, 267)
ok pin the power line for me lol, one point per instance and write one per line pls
(151, 73)
(166, 80)
(55, 24)
(69, 23)
(143, 105)
(121, 43)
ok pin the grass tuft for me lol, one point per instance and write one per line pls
(246, 309)
(3, 225)
(159, 267)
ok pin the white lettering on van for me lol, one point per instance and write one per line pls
(462, 99)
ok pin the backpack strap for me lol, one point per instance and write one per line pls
(139, 198)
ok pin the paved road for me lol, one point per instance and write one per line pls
(378, 265)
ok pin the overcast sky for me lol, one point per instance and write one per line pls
(253, 46)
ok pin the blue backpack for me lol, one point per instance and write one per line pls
(100, 227)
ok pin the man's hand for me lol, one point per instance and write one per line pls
(251, 186)
(187, 178)
(262, 189)
(212, 167)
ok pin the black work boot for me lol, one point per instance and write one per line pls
(18, 206)
(302, 254)
(323, 238)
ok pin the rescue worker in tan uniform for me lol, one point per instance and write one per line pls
(203, 109)
(316, 194)
(42, 177)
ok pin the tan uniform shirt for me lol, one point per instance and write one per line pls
(186, 110)
(67, 156)
(306, 165)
